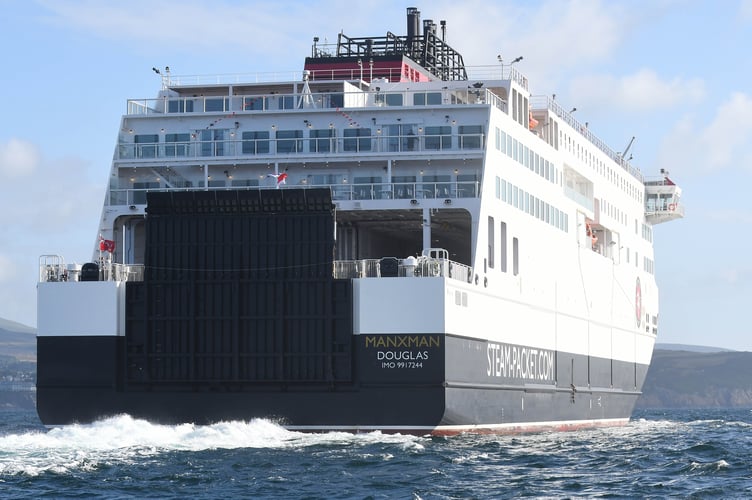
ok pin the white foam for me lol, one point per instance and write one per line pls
(124, 439)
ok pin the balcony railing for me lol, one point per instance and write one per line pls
(584, 200)
(340, 192)
(52, 268)
(420, 267)
(374, 143)
(415, 99)
(545, 102)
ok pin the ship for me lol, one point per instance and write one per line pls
(388, 240)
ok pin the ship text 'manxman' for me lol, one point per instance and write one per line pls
(403, 341)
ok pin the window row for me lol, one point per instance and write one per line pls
(526, 157)
(647, 232)
(321, 100)
(343, 186)
(613, 211)
(531, 205)
(626, 184)
(224, 142)
(648, 265)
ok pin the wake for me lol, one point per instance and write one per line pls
(125, 440)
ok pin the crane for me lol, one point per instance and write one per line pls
(624, 154)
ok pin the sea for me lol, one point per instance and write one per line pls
(659, 454)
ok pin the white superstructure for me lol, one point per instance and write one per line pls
(465, 210)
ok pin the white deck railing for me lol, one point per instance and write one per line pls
(52, 268)
(420, 267)
(340, 192)
(254, 103)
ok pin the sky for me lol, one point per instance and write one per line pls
(675, 74)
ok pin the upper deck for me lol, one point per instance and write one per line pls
(372, 119)
(386, 97)
(224, 98)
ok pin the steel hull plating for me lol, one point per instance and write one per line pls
(435, 404)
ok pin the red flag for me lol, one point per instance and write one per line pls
(280, 177)
(106, 245)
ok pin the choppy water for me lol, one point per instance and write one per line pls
(702, 454)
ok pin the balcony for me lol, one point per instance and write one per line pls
(662, 201)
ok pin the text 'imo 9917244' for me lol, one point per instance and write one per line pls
(387, 243)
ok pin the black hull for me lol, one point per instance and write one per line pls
(418, 410)
(439, 406)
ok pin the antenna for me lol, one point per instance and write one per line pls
(164, 75)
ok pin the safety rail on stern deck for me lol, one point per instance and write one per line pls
(420, 267)
(52, 268)
(487, 71)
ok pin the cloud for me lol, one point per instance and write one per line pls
(58, 195)
(246, 28)
(720, 144)
(18, 158)
(7, 269)
(728, 136)
(591, 31)
(56, 212)
(17, 287)
(638, 92)
(745, 10)
(739, 277)
(591, 28)
(729, 217)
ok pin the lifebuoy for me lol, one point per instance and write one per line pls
(672, 206)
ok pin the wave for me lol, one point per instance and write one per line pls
(123, 439)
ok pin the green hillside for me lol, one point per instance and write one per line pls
(684, 379)
(18, 341)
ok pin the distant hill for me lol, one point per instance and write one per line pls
(6, 324)
(18, 365)
(690, 348)
(686, 379)
(18, 340)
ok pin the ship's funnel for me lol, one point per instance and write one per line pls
(413, 29)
